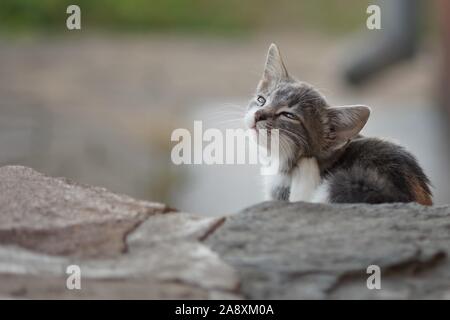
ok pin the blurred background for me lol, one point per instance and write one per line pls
(98, 105)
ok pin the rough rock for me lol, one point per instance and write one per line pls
(47, 224)
(57, 216)
(320, 251)
(127, 248)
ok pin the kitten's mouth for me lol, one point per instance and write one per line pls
(261, 125)
(255, 128)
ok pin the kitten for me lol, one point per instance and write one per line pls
(323, 158)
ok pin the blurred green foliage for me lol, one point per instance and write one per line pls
(212, 16)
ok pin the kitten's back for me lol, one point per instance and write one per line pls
(375, 171)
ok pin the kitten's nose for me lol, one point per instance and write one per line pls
(260, 116)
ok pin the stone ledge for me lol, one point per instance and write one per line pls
(275, 250)
(321, 251)
(59, 217)
(125, 248)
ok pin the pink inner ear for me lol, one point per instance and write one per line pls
(349, 121)
(275, 69)
(263, 85)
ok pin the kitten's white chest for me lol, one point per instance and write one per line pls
(307, 184)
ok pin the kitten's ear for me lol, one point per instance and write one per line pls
(275, 70)
(346, 122)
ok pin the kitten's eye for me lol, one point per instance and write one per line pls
(261, 101)
(289, 115)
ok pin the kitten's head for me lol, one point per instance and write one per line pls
(307, 125)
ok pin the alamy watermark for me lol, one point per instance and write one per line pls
(374, 280)
(235, 146)
(73, 281)
(373, 22)
(73, 22)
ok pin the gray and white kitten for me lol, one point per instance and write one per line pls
(323, 158)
